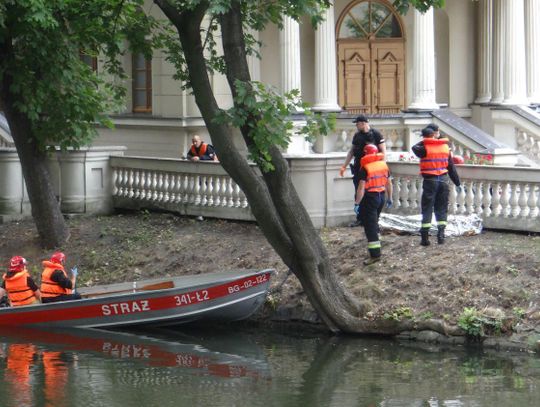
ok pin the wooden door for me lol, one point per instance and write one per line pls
(388, 87)
(371, 76)
(354, 80)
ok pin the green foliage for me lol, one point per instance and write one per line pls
(267, 115)
(512, 269)
(59, 94)
(477, 325)
(519, 312)
(403, 6)
(399, 313)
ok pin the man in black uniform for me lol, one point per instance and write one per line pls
(436, 165)
(364, 135)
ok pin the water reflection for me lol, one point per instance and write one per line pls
(214, 367)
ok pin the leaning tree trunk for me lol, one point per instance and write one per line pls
(273, 199)
(52, 229)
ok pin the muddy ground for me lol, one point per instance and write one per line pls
(492, 272)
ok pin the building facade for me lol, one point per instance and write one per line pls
(472, 58)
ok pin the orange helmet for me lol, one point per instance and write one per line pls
(457, 159)
(370, 149)
(58, 258)
(17, 263)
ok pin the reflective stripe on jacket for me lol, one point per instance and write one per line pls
(202, 150)
(377, 172)
(50, 288)
(436, 160)
(19, 292)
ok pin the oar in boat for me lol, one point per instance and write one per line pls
(149, 287)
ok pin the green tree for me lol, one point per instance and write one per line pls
(49, 96)
(272, 196)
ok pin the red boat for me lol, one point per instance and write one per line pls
(224, 296)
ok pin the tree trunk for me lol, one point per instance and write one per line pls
(52, 229)
(273, 199)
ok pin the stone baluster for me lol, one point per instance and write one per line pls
(396, 187)
(413, 191)
(160, 187)
(197, 190)
(115, 181)
(461, 199)
(186, 188)
(469, 199)
(155, 194)
(522, 201)
(452, 201)
(487, 199)
(203, 190)
(514, 197)
(404, 191)
(534, 211)
(136, 184)
(505, 207)
(496, 207)
(178, 188)
(478, 196)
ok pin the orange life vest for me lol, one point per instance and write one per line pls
(377, 172)
(56, 378)
(19, 292)
(50, 288)
(436, 160)
(202, 150)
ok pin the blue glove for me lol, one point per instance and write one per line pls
(74, 271)
(458, 189)
(357, 209)
(389, 203)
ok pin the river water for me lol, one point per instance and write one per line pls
(202, 367)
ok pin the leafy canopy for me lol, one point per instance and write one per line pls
(40, 46)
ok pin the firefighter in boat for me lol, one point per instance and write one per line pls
(55, 283)
(18, 285)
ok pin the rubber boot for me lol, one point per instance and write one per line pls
(440, 235)
(424, 234)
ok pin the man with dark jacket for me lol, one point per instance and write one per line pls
(201, 151)
(365, 135)
(436, 165)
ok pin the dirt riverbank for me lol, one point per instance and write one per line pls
(495, 274)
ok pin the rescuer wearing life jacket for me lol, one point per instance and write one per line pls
(19, 286)
(55, 283)
(201, 151)
(365, 135)
(436, 165)
(374, 188)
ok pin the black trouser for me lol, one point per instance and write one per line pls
(356, 181)
(435, 198)
(63, 297)
(372, 205)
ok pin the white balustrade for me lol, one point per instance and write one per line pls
(178, 185)
(505, 197)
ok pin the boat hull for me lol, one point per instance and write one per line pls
(224, 296)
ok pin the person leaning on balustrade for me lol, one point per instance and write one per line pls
(201, 151)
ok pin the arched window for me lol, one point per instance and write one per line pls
(369, 20)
